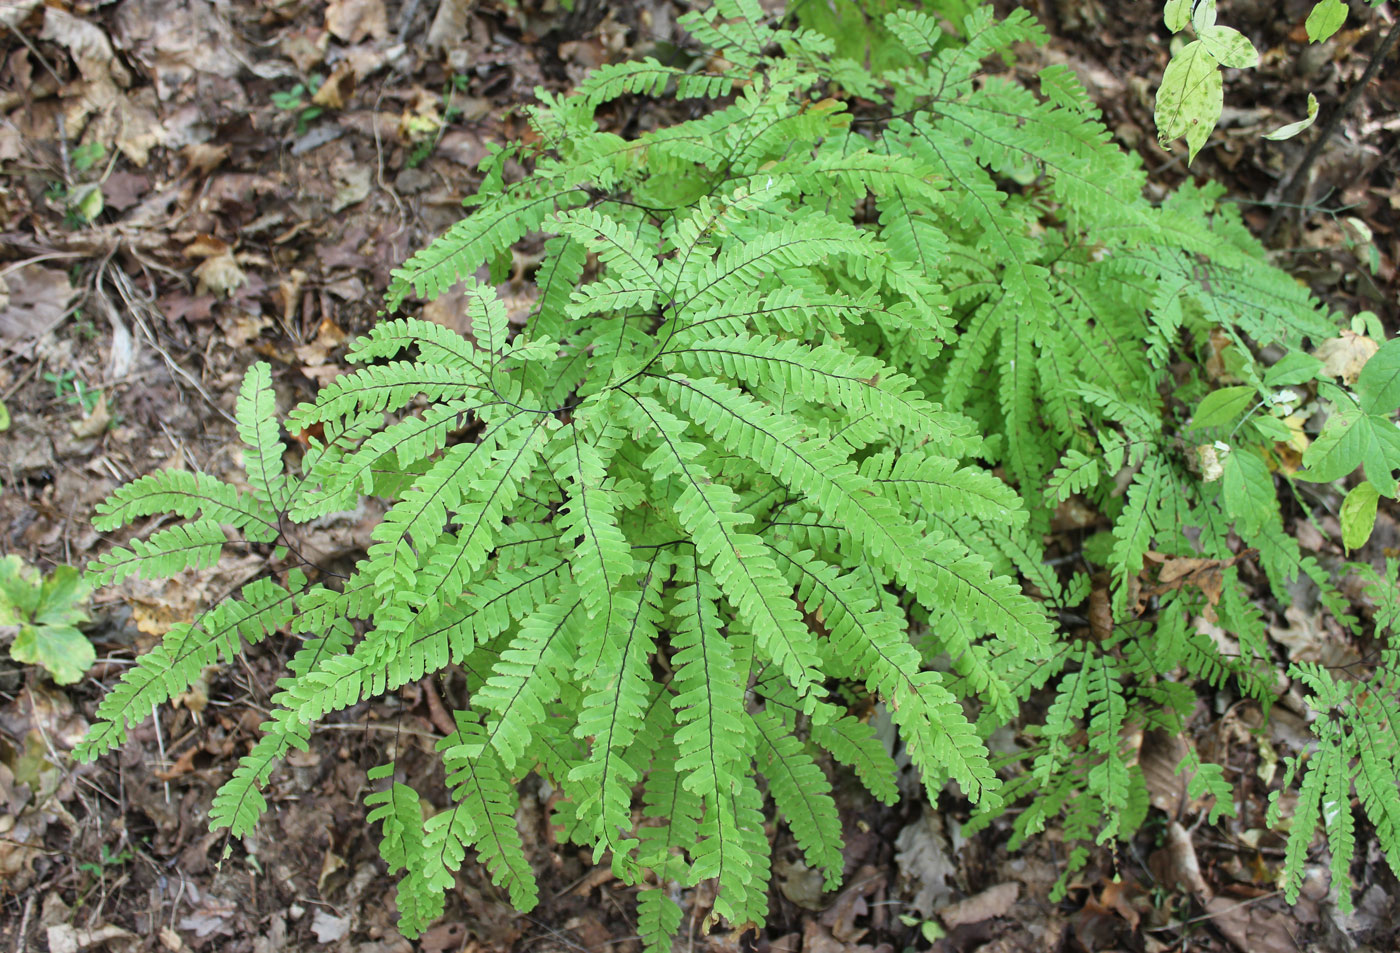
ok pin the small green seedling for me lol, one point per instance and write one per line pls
(108, 859)
(47, 610)
(71, 389)
(297, 99)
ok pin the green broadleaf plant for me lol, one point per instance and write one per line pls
(46, 610)
(743, 443)
(1191, 96)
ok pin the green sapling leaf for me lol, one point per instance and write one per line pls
(1326, 18)
(1203, 17)
(1190, 99)
(1378, 386)
(1358, 514)
(1293, 128)
(1295, 367)
(1177, 13)
(1249, 490)
(46, 610)
(1354, 439)
(1230, 46)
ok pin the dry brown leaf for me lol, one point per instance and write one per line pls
(87, 44)
(925, 863)
(1158, 758)
(1177, 572)
(1176, 864)
(95, 422)
(851, 903)
(1252, 928)
(1309, 639)
(289, 290)
(355, 20)
(219, 275)
(205, 157)
(336, 91)
(65, 938)
(1344, 356)
(989, 904)
(34, 300)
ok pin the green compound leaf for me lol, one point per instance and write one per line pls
(1326, 18)
(1359, 514)
(1354, 439)
(1292, 129)
(63, 651)
(47, 610)
(1378, 385)
(1230, 46)
(1190, 99)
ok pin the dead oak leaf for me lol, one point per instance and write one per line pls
(351, 21)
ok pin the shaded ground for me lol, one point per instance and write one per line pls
(242, 216)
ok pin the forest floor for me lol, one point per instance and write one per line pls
(176, 202)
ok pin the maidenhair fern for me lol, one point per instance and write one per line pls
(797, 381)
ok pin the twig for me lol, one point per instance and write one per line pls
(160, 747)
(24, 922)
(1291, 193)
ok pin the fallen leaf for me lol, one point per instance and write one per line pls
(204, 157)
(799, 883)
(987, 905)
(64, 938)
(87, 44)
(336, 91)
(328, 928)
(443, 937)
(34, 301)
(923, 861)
(95, 422)
(1176, 864)
(219, 275)
(1345, 355)
(354, 20)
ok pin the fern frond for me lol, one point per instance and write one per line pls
(257, 427)
(803, 794)
(467, 245)
(195, 545)
(187, 495)
(710, 739)
(740, 562)
(482, 816)
(853, 743)
(185, 650)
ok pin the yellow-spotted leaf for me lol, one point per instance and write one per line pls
(1190, 98)
(1230, 47)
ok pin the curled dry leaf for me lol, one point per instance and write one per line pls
(336, 91)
